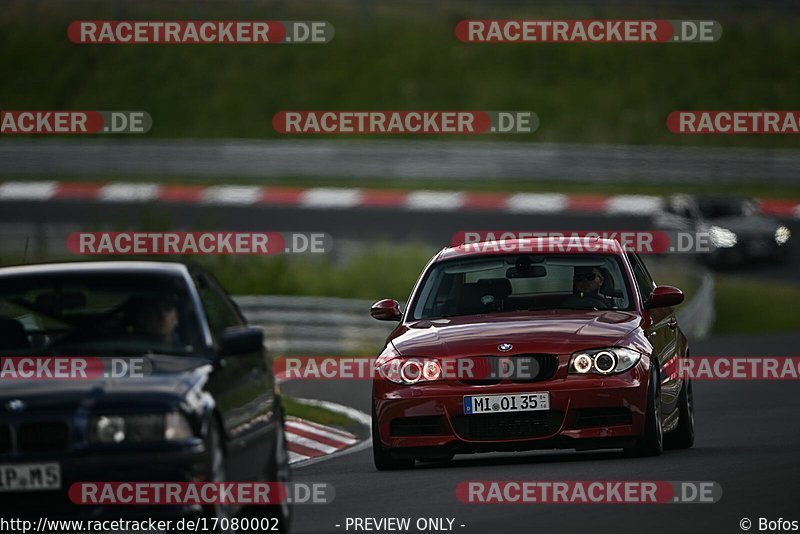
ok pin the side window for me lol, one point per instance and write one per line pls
(221, 314)
(643, 280)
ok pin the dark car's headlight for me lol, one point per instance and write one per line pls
(172, 426)
(603, 361)
(782, 235)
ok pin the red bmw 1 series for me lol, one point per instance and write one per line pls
(508, 348)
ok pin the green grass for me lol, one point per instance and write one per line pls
(401, 55)
(384, 270)
(314, 413)
(749, 306)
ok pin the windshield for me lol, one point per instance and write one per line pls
(96, 314)
(497, 284)
(719, 208)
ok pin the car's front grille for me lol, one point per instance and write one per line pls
(416, 426)
(487, 370)
(43, 436)
(5, 439)
(502, 426)
(587, 417)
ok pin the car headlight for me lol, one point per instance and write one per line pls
(782, 235)
(722, 237)
(171, 426)
(407, 371)
(603, 361)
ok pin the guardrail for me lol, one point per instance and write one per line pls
(440, 161)
(696, 317)
(317, 325)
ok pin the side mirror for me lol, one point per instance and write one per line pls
(241, 340)
(664, 296)
(386, 310)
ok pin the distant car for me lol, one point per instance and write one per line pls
(595, 339)
(207, 410)
(739, 233)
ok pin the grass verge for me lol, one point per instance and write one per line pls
(315, 414)
(749, 306)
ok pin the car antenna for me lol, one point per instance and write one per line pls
(25, 253)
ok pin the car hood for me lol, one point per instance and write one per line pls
(548, 332)
(160, 388)
(747, 226)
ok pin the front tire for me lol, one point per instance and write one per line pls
(216, 473)
(280, 472)
(652, 442)
(382, 457)
(683, 435)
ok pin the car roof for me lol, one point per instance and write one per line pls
(151, 267)
(506, 246)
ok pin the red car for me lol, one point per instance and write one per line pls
(504, 349)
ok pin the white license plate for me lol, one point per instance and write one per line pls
(520, 402)
(30, 477)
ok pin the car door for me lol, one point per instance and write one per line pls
(242, 386)
(661, 328)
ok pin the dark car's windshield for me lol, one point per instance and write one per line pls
(496, 284)
(717, 208)
(96, 313)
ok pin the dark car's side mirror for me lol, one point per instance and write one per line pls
(241, 340)
(664, 296)
(386, 310)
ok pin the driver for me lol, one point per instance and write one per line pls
(156, 318)
(586, 284)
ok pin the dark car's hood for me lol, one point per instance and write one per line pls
(747, 226)
(549, 332)
(162, 386)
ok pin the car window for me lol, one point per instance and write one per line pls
(103, 313)
(220, 312)
(644, 281)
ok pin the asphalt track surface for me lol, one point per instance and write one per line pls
(748, 440)
(365, 224)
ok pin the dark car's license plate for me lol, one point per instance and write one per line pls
(30, 477)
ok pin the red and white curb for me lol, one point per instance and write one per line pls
(310, 442)
(307, 440)
(350, 198)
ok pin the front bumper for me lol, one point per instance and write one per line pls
(586, 412)
(184, 462)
